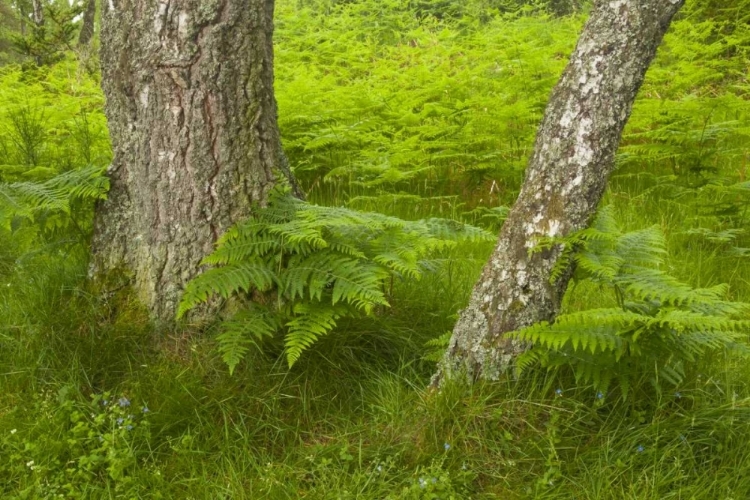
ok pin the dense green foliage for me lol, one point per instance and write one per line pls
(408, 110)
(321, 264)
(659, 328)
(417, 115)
(54, 147)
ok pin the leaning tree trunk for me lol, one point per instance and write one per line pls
(566, 177)
(192, 117)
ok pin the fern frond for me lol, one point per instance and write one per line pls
(245, 329)
(310, 322)
(27, 199)
(436, 347)
(225, 281)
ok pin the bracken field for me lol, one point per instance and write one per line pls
(408, 124)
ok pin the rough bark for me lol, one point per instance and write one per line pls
(87, 23)
(192, 117)
(572, 159)
(37, 12)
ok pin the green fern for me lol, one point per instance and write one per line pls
(436, 347)
(316, 265)
(29, 200)
(660, 327)
(246, 329)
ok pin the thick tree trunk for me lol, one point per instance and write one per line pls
(192, 117)
(566, 177)
(87, 23)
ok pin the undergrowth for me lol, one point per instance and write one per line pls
(304, 267)
(385, 107)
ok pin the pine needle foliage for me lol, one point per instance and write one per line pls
(660, 327)
(313, 265)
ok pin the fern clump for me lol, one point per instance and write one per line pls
(312, 266)
(659, 328)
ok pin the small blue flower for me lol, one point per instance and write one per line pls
(640, 449)
(120, 421)
(422, 482)
(678, 395)
(129, 427)
(379, 468)
(105, 402)
(434, 480)
(145, 409)
(599, 395)
(683, 438)
(123, 402)
(447, 446)
(559, 392)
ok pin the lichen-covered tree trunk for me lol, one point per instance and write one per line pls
(572, 159)
(37, 12)
(192, 118)
(87, 24)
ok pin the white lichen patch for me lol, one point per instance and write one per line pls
(183, 21)
(555, 228)
(159, 16)
(143, 96)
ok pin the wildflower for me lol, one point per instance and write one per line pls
(129, 427)
(640, 449)
(683, 438)
(123, 402)
(447, 446)
(463, 467)
(105, 402)
(120, 421)
(599, 395)
(433, 480)
(678, 395)
(13, 431)
(145, 409)
(559, 392)
(101, 438)
(379, 468)
(30, 463)
(422, 482)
